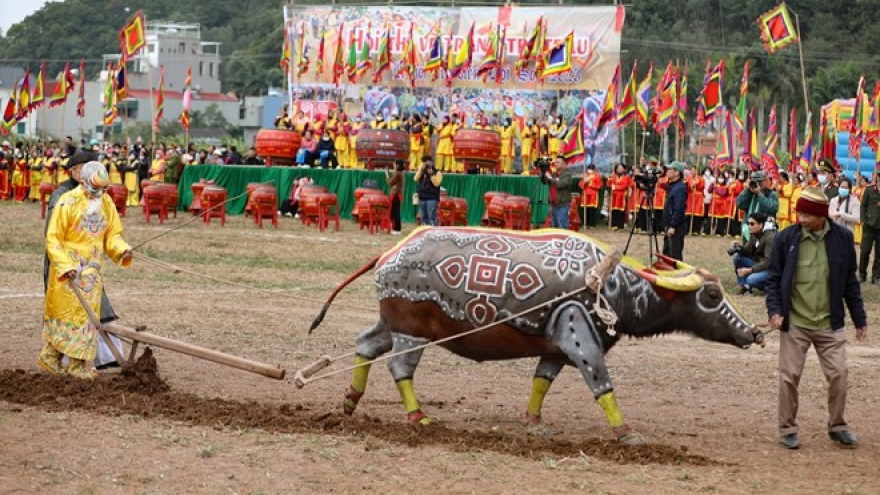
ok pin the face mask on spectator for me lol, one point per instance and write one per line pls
(843, 193)
(823, 178)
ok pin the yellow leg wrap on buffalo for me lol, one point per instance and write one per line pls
(540, 386)
(358, 384)
(608, 404)
(411, 403)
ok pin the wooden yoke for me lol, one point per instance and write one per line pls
(172, 345)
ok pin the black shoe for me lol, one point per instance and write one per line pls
(862, 278)
(844, 438)
(745, 289)
(790, 441)
(107, 366)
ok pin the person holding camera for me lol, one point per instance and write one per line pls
(674, 219)
(560, 182)
(428, 179)
(759, 196)
(751, 261)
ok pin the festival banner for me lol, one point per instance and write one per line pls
(595, 47)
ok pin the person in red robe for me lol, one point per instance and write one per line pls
(694, 210)
(619, 183)
(721, 207)
(591, 185)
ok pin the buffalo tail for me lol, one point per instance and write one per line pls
(364, 269)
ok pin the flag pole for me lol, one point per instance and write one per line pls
(797, 21)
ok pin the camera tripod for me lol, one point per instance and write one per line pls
(646, 205)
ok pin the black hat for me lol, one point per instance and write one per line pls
(81, 157)
(824, 165)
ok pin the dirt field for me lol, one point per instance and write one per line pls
(708, 410)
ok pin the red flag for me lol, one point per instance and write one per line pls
(612, 100)
(81, 101)
(160, 98)
(131, 36)
(792, 135)
(627, 109)
(573, 149)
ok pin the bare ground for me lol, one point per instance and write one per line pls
(708, 410)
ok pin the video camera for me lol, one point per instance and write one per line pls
(542, 163)
(648, 181)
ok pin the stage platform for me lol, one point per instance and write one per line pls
(235, 179)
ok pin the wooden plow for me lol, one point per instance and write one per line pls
(135, 337)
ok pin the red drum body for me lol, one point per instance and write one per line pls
(380, 148)
(488, 197)
(278, 146)
(477, 148)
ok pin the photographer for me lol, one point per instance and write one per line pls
(758, 197)
(428, 179)
(560, 182)
(752, 260)
(674, 219)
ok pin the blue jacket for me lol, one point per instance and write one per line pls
(842, 282)
(676, 204)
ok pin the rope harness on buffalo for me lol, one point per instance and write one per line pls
(594, 281)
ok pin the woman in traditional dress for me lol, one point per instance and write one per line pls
(84, 226)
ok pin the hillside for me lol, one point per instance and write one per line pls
(840, 38)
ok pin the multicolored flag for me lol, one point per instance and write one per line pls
(187, 100)
(365, 63)
(435, 60)
(682, 102)
(530, 51)
(792, 135)
(710, 98)
(806, 159)
(408, 62)
(872, 136)
(739, 117)
(286, 52)
(724, 154)
(110, 108)
(63, 88)
(490, 60)
(383, 58)
(557, 59)
(461, 60)
(302, 59)
(643, 98)
(352, 59)
(612, 101)
(121, 82)
(320, 62)
(751, 154)
(573, 149)
(160, 98)
(10, 114)
(627, 109)
(777, 30)
(502, 55)
(131, 36)
(666, 103)
(24, 96)
(769, 156)
(338, 62)
(855, 127)
(81, 100)
(38, 96)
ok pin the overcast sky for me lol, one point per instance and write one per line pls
(16, 10)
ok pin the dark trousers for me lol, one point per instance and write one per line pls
(617, 218)
(288, 206)
(695, 224)
(592, 216)
(330, 160)
(870, 242)
(658, 220)
(706, 222)
(721, 226)
(395, 213)
(642, 219)
(673, 246)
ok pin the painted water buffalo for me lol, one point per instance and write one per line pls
(439, 282)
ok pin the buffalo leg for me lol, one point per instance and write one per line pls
(547, 371)
(402, 368)
(576, 335)
(371, 343)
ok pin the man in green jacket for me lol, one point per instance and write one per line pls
(560, 183)
(870, 215)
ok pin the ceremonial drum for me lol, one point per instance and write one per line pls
(196, 204)
(119, 194)
(169, 192)
(308, 203)
(46, 190)
(461, 212)
(517, 213)
(264, 201)
(495, 211)
(478, 148)
(154, 202)
(380, 148)
(212, 196)
(487, 200)
(278, 146)
(359, 193)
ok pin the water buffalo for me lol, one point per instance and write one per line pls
(440, 282)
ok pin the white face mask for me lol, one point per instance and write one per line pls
(823, 178)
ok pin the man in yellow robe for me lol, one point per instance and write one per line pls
(83, 227)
